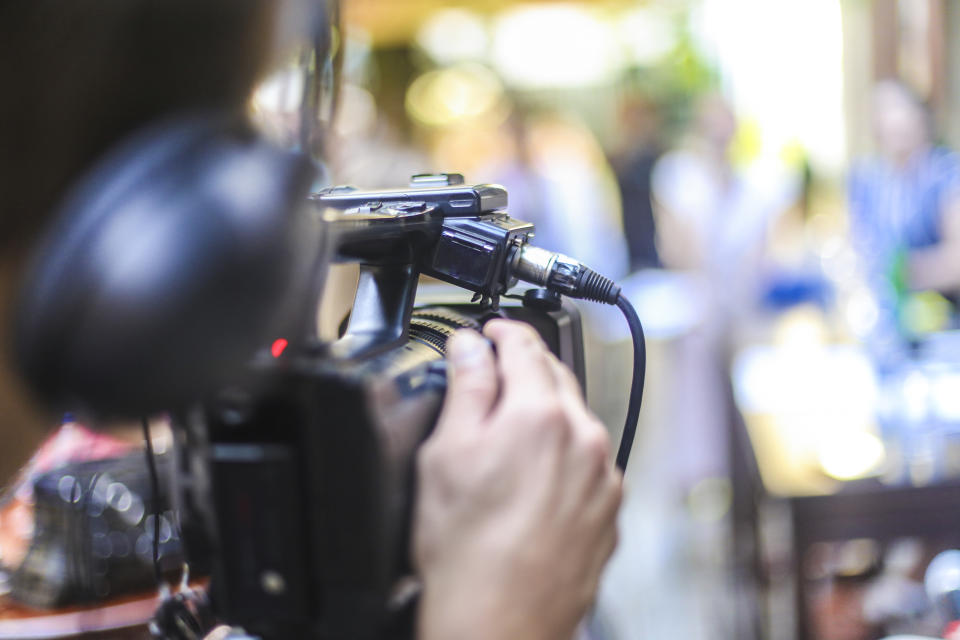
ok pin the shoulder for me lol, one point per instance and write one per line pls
(942, 165)
(863, 171)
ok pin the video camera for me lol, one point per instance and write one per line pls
(294, 485)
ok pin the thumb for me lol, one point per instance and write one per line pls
(472, 384)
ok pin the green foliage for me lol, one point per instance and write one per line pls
(674, 82)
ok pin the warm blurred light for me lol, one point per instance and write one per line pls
(454, 35)
(553, 46)
(452, 95)
(802, 379)
(926, 312)
(808, 405)
(275, 105)
(357, 113)
(475, 149)
(782, 65)
(802, 331)
(851, 455)
(710, 499)
(281, 92)
(648, 34)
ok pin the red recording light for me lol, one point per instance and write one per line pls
(278, 346)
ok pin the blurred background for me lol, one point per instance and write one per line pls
(775, 184)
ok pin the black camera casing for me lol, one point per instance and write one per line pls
(296, 484)
(311, 478)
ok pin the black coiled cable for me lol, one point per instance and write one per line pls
(636, 384)
(591, 285)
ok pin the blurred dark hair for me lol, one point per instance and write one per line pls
(78, 75)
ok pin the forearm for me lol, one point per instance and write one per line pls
(498, 592)
(938, 267)
(447, 612)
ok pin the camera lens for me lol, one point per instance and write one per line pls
(434, 326)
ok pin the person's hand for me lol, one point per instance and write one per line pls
(516, 510)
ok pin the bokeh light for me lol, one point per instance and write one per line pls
(454, 35)
(452, 95)
(553, 46)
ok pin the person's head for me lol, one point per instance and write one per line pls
(714, 121)
(78, 79)
(182, 243)
(901, 123)
(639, 120)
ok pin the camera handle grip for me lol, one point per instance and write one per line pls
(381, 310)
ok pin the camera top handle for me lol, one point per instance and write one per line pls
(459, 234)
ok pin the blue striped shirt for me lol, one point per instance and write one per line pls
(894, 209)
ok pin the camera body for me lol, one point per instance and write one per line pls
(295, 485)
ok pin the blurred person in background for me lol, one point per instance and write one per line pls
(633, 161)
(712, 227)
(905, 218)
(713, 218)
